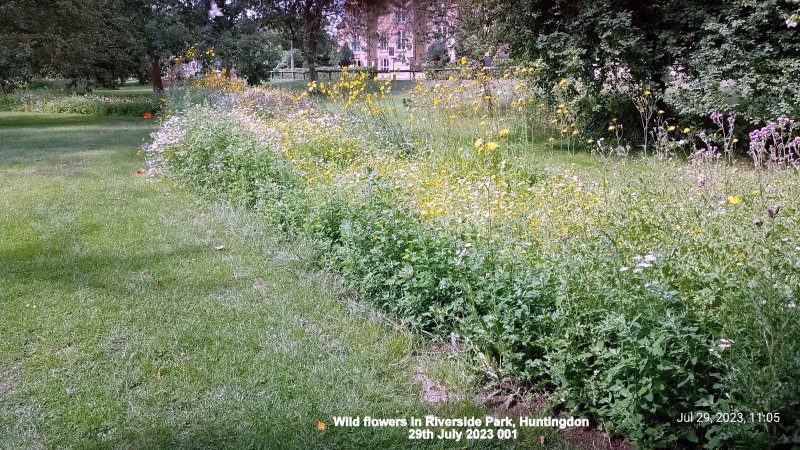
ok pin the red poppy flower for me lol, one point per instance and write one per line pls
(147, 115)
(139, 172)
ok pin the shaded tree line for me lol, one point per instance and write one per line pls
(105, 41)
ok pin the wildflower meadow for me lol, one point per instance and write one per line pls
(627, 282)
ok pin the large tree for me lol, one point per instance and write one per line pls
(93, 40)
(163, 28)
(84, 40)
(303, 21)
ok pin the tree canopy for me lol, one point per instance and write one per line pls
(704, 45)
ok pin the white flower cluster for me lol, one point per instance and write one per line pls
(642, 262)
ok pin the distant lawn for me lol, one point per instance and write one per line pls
(130, 89)
(122, 326)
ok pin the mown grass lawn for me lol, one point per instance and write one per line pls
(123, 324)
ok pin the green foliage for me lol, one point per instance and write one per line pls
(256, 53)
(700, 57)
(345, 56)
(638, 297)
(437, 53)
(46, 101)
(744, 62)
(253, 318)
(14, 68)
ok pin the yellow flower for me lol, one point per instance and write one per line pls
(697, 230)
(611, 128)
(491, 146)
(504, 132)
(463, 60)
(734, 199)
(661, 111)
(646, 93)
(671, 128)
(562, 81)
(735, 140)
(590, 141)
(687, 129)
(478, 143)
(551, 139)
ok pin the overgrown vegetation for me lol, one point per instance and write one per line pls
(631, 290)
(57, 100)
(123, 326)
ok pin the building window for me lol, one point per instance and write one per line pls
(400, 15)
(391, 51)
(385, 64)
(384, 43)
(356, 44)
(401, 41)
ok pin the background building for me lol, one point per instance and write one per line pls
(395, 34)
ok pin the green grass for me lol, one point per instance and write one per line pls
(132, 89)
(121, 326)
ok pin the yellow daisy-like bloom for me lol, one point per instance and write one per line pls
(735, 140)
(504, 132)
(562, 81)
(734, 199)
(492, 146)
(463, 60)
(671, 128)
(611, 128)
(697, 230)
(661, 111)
(646, 93)
(552, 139)
(687, 129)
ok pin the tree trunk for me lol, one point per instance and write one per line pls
(313, 18)
(155, 74)
(311, 58)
